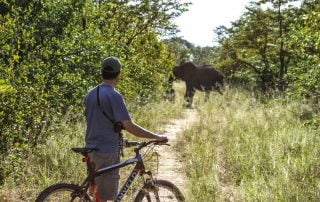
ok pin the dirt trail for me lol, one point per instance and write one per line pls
(171, 166)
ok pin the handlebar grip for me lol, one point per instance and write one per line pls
(130, 143)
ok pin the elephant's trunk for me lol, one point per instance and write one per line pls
(171, 79)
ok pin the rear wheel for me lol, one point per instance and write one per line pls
(159, 190)
(63, 193)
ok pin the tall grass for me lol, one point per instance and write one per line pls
(54, 162)
(250, 148)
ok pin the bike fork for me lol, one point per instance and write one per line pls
(150, 185)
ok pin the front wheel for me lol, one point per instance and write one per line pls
(63, 192)
(159, 190)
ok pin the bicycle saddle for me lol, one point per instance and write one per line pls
(84, 150)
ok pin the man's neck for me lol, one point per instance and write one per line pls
(109, 82)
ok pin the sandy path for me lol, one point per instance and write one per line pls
(171, 166)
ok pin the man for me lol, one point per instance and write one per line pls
(105, 106)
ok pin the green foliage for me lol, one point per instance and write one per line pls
(184, 51)
(305, 44)
(4, 87)
(203, 55)
(180, 49)
(51, 53)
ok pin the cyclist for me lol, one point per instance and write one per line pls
(105, 109)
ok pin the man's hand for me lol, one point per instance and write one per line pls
(138, 131)
(162, 139)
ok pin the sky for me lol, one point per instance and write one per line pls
(197, 24)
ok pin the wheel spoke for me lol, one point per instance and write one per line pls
(161, 191)
(63, 193)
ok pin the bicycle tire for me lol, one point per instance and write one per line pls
(150, 191)
(49, 193)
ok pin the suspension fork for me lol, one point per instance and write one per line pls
(149, 186)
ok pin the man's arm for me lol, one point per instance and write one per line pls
(138, 131)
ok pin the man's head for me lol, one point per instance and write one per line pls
(111, 67)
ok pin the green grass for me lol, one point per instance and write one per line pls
(54, 162)
(251, 148)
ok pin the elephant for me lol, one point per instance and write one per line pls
(203, 78)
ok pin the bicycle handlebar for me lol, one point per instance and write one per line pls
(140, 145)
(127, 143)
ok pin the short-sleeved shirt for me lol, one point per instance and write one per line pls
(100, 133)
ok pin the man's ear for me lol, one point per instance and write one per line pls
(118, 77)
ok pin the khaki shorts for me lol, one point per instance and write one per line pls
(107, 183)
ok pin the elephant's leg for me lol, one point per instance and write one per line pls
(219, 87)
(207, 96)
(170, 94)
(189, 97)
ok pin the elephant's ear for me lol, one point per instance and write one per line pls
(189, 71)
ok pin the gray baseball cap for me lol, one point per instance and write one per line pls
(111, 64)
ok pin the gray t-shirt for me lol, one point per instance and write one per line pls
(100, 133)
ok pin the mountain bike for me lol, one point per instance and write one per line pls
(152, 190)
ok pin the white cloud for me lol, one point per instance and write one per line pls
(204, 16)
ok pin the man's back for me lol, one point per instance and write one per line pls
(100, 131)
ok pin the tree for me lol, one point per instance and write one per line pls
(180, 49)
(183, 51)
(305, 44)
(256, 45)
(50, 56)
(203, 55)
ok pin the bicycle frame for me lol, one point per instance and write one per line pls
(138, 169)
